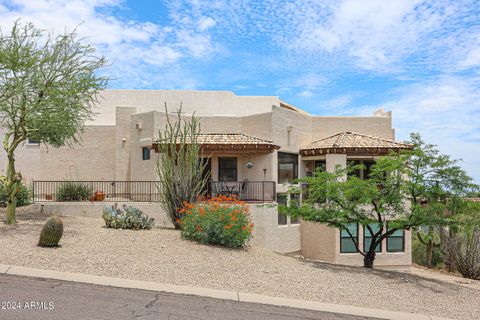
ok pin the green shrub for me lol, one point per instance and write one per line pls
(220, 220)
(128, 218)
(24, 195)
(73, 191)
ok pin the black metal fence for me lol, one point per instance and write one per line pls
(143, 191)
(114, 191)
(261, 191)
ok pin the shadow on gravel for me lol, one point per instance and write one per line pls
(28, 219)
(395, 277)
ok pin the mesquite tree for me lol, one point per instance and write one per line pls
(47, 87)
(396, 191)
(180, 168)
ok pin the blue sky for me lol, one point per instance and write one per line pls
(419, 59)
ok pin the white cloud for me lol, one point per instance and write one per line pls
(205, 23)
(128, 44)
(472, 59)
(445, 110)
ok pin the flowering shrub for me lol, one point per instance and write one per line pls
(220, 220)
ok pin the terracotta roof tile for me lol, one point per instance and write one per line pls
(232, 139)
(351, 140)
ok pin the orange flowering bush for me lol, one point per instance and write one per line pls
(220, 220)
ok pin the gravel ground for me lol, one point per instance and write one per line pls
(161, 255)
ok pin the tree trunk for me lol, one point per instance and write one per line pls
(429, 254)
(11, 206)
(11, 190)
(368, 259)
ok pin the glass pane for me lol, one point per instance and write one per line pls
(287, 167)
(146, 153)
(227, 163)
(398, 233)
(366, 245)
(375, 228)
(227, 175)
(347, 245)
(368, 168)
(352, 227)
(320, 165)
(227, 169)
(395, 244)
(282, 219)
(356, 172)
(282, 199)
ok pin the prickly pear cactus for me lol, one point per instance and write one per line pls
(128, 218)
(51, 233)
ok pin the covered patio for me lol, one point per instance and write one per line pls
(238, 165)
(345, 147)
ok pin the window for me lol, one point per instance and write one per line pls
(367, 237)
(145, 153)
(282, 199)
(320, 165)
(33, 141)
(287, 167)
(357, 172)
(396, 241)
(227, 169)
(294, 200)
(346, 243)
(368, 168)
(362, 173)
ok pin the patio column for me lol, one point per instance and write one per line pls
(335, 159)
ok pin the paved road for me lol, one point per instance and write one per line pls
(54, 299)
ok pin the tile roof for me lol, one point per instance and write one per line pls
(230, 138)
(345, 142)
(233, 140)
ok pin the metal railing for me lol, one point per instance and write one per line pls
(143, 191)
(113, 191)
(256, 191)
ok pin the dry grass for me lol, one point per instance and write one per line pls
(161, 255)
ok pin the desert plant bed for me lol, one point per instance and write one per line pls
(161, 255)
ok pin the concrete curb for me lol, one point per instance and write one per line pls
(211, 293)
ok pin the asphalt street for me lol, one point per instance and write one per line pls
(32, 298)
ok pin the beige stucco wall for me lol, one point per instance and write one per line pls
(320, 242)
(93, 159)
(267, 232)
(317, 241)
(201, 102)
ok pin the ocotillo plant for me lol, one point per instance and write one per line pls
(179, 168)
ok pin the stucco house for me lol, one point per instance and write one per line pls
(254, 145)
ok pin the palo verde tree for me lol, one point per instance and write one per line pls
(48, 84)
(179, 168)
(393, 192)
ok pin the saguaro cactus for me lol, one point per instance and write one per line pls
(51, 233)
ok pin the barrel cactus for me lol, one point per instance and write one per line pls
(51, 233)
